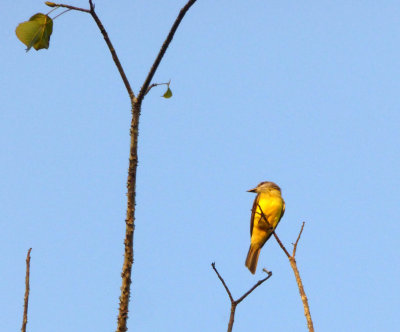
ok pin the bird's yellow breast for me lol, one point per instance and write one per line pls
(271, 207)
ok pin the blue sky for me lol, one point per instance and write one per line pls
(302, 94)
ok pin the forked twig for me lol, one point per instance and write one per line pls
(297, 241)
(293, 264)
(26, 297)
(131, 181)
(136, 103)
(234, 302)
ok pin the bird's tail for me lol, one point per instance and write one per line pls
(252, 258)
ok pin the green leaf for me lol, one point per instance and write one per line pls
(168, 93)
(36, 32)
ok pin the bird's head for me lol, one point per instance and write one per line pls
(265, 187)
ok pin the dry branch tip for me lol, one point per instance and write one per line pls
(26, 297)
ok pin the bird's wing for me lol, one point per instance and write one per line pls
(283, 209)
(253, 213)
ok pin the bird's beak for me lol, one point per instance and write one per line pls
(252, 190)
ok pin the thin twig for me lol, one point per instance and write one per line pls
(223, 282)
(303, 295)
(234, 303)
(259, 282)
(143, 89)
(65, 11)
(103, 31)
(293, 264)
(112, 51)
(154, 85)
(297, 241)
(72, 7)
(280, 244)
(26, 297)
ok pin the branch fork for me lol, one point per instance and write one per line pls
(136, 103)
(234, 302)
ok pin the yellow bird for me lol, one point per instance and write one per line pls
(263, 221)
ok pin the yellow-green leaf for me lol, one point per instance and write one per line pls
(168, 93)
(36, 32)
(50, 4)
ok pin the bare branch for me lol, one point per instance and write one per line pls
(129, 223)
(281, 244)
(103, 31)
(26, 297)
(293, 264)
(133, 155)
(303, 296)
(72, 8)
(112, 51)
(234, 303)
(223, 282)
(163, 49)
(131, 181)
(297, 241)
(269, 274)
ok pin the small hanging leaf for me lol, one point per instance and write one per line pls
(50, 4)
(168, 93)
(36, 32)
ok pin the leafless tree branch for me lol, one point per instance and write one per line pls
(234, 303)
(223, 282)
(136, 103)
(72, 7)
(26, 297)
(112, 51)
(297, 240)
(103, 31)
(303, 295)
(131, 181)
(163, 49)
(293, 264)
